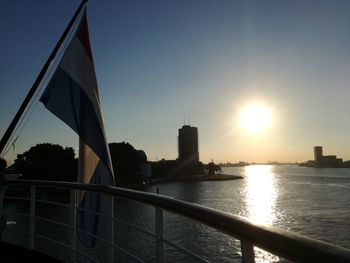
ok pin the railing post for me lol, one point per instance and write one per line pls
(159, 235)
(247, 250)
(32, 217)
(110, 230)
(2, 216)
(2, 193)
(73, 223)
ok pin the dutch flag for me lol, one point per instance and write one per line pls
(72, 95)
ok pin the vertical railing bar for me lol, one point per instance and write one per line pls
(2, 193)
(32, 217)
(2, 216)
(110, 231)
(159, 235)
(247, 250)
(73, 223)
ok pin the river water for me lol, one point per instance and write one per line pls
(309, 201)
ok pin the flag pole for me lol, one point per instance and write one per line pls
(38, 80)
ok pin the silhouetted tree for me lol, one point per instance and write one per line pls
(3, 164)
(213, 168)
(127, 163)
(48, 161)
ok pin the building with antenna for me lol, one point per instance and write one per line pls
(188, 144)
(187, 163)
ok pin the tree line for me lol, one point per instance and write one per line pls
(53, 162)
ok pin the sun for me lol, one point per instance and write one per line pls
(255, 118)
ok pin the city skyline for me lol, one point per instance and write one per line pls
(159, 62)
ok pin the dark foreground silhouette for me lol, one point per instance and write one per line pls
(12, 253)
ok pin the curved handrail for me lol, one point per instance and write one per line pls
(279, 242)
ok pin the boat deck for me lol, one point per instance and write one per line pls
(12, 253)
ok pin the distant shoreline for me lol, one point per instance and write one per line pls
(248, 164)
(198, 178)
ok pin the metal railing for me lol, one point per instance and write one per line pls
(281, 243)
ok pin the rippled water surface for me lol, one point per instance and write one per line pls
(309, 201)
(312, 202)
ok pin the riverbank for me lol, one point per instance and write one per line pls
(215, 177)
(192, 178)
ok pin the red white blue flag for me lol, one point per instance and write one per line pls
(72, 95)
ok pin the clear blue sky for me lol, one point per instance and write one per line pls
(159, 63)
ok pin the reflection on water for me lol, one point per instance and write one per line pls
(312, 202)
(261, 192)
(260, 196)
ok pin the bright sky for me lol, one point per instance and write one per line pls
(161, 64)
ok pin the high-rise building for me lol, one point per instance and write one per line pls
(326, 160)
(318, 153)
(188, 144)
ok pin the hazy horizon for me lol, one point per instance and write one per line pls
(161, 64)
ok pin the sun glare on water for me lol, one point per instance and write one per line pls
(255, 118)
